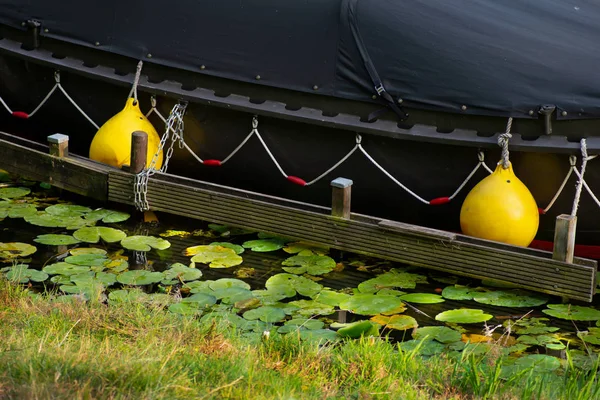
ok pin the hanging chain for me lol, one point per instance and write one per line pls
(174, 127)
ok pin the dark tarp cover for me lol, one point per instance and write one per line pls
(495, 57)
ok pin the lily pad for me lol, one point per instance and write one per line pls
(67, 210)
(395, 278)
(93, 234)
(86, 250)
(313, 265)
(90, 260)
(107, 216)
(12, 250)
(463, 316)
(56, 240)
(235, 247)
(319, 336)
(16, 210)
(14, 192)
(198, 286)
(140, 277)
(571, 312)
(182, 273)
(22, 274)
(592, 336)
(330, 297)
(422, 347)
(457, 292)
(214, 256)
(205, 300)
(145, 243)
(305, 249)
(270, 296)
(309, 308)
(358, 329)
(61, 279)
(397, 322)
(538, 363)
(44, 219)
(224, 283)
(64, 268)
(288, 282)
(92, 290)
(264, 245)
(265, 314)
(306, 323)
(187, 308)
(371, 304)
(127, 296)
(117, 265)
(442, 334)
(233, 295)
(105, 278)
(549, 341)
(422, 298)
(514, 298)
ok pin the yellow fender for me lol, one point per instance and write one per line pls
(501, 208)
(112, 143)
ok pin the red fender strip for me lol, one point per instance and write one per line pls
(439, 201)
(212, 163)
(20, 114)
(296, 180)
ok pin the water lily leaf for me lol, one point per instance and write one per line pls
(330, 297)
(265, 314)
(232, 295)
(206, 300)
(64, 268)
(422, 347)
(107, 216)
(90, 260)
(13, 192)
(127, 296)
(118, 265)
(394, 278)
(313, 265)
(288, 282)
(14, 250)
(214, 256)
(105, 278)
(16, 210)
(310, 307)
(22, 274)
(145, 243)
(571, 312)
(531, 326)
(592, 336)
(86, 250)
(264, 245)
(223, 318)
(198, 286)
(95, 233)
(44, 219)
(539, 363)
(397, 322)
(463, 316)
(370, 304)
(61, 279)
(306, 323)
(305, 249)
(422, 298)
(358, 329)
(235, 247)
(245, 272)
(56, 240)
(541, 340)
(139, 277)
(180, 272)
(457, 292)
(92, 290)
(225, 230)
(513, 298)
(442, 334)
(320, 336)
(67, 210)
(270, 296)
(247, 304)
(391, 292)
(224, 283)
(192, 308)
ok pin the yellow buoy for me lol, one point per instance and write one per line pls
(112, 143)
(501, 208)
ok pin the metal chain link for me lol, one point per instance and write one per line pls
(174, 124)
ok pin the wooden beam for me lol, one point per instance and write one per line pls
(139, 151)
(341, 189)
(564, 238)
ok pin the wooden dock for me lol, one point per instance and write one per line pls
(429, 248)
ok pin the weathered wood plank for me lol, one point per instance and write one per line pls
(564, 238)
(528, 268)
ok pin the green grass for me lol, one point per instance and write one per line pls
(52, 350)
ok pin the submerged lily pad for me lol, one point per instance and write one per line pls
(182, 273)
(107, 216)
(463, 316)
(95, 233)
(571, 312)
(395, 278)
(22, 274)
(514, 298)
(64, 268)
(140, 277)
(371, 304)
(12, 193)
(313, 265)
(289, 282)
(265, 314)
(215, 256)
(442, 334)
(145, 243)
(56, 240)
(422, 298)
(264, 245)
(9, 251)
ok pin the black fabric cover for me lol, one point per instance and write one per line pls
(494, 57)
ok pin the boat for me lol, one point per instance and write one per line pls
(407, 99)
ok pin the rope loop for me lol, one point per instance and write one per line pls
(503, 140)
(580, 182)
(255, 122)
(136, 81)
(573, 161)
(481, 156)
(153, 101)
(57, 77)
(358, 139)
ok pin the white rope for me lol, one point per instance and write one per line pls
(50, 93)
(503, 142)
(6, 106)
(342, 160)
(579, 187)
(573, 162)
(136, 81)
(481, 162)
(587, 187)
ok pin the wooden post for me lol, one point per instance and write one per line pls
(340, 197)
(59, 145)
(564, 238)
(139, 152)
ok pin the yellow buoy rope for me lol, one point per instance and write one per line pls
(579, 187)
(503, 142)
(136, 82)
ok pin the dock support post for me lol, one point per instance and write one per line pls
(564, 238)
(139, 151)
(59, 145)
(341, 189)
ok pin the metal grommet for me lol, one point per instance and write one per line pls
(46, 30)
(400, 101)
(530, 112)
(149, 55)
(564, 113)
(315, 87)
(203, 67)
(374, 97)
(97, 43)
(463, 107)
(258, 77)
(23, 23)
